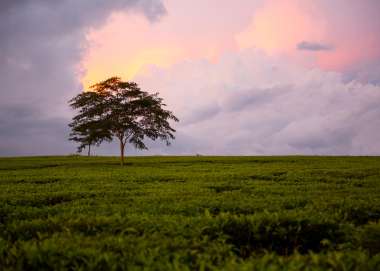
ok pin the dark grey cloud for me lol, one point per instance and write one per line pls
(25, 130)
(41, 45)
(314, 46)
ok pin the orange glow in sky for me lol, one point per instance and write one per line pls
(127, 67)
(123, 47)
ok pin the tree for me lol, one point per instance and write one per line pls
(88, 134)
(121, 110)
(87, 128)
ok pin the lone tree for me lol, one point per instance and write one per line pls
(117, 109)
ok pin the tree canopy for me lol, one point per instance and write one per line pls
(117, 109)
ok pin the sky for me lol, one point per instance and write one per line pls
(245, 77)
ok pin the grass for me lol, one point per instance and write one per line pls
(190, 213)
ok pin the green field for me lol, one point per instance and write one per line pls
(190, 213)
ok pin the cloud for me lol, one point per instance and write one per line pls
(258, 104)
(41, 46)
(25, 131)
(368, 71)
(314, 46)
(278, 25)
(245, 102)
(351, 26)
(190, 30)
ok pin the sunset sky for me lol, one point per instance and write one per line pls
(245, 77)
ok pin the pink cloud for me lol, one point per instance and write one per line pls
(190, 30)
(348, 27)
(196, 30)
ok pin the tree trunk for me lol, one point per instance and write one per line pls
(89, 150)
(122, 145)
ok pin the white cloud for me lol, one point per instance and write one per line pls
(250, 103)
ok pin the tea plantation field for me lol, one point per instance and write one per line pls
(190, 213)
